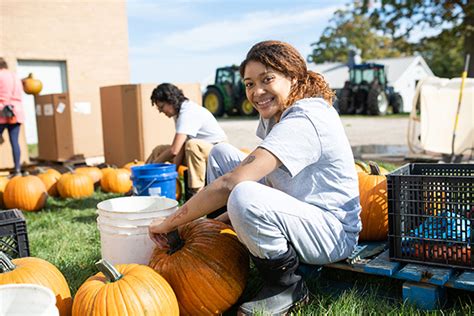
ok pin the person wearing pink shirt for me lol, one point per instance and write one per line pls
(11, 110)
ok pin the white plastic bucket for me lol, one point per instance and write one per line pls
(136, 208)
(27, 299)
(127, 230)
(123, 225)
(118, 248)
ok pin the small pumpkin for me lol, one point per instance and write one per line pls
(75, 185)
(33, 270)
(3, 185)
(206, 266)
(127, 289)
(133, 164)
(92, 172)
(26, 192)
(116, 181)
(32, 85)
(373, 200)
(50, 180)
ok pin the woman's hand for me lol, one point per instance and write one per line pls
(158, 230)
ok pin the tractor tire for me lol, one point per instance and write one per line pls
(344, 102)
(214, 101)
(396, 102)
(377, 101)
(246, 108)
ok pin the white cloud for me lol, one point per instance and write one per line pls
(210, 36)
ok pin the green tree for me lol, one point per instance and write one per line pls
(348, 30)
(396, 15)
(444, 55)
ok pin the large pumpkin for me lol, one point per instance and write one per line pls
(206, 266)
(116, 181)
(373, 200)
(92, 172)
(75, 185)
(37, 271)
(128, 289)
(27, 193)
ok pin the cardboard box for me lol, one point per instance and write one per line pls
(6, 156)
(131, 126)
(53, 118)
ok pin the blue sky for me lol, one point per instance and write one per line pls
(185, 41)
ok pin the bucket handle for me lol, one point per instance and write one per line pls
(145, 188)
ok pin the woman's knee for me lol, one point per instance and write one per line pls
(242, 199)
(221, 150)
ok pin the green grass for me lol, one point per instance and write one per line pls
(65, 234)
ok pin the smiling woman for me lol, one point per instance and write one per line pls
(295, 197)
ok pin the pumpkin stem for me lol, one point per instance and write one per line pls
(361, 164)
(374, 168)
(111, 274)
(174, 241)
(6, 265)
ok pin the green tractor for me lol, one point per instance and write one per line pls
(367, 92)
(227, 94)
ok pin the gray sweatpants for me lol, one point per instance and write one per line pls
(266, 219)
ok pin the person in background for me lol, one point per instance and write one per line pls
(197, 131)
(11, 110)
(295, 198)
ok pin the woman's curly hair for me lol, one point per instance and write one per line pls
(285, 59)
(169, 93)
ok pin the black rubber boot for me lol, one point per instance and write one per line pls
(282, 290)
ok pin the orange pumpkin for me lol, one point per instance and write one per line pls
(116, 181)
(373, 200)
(3, 185)
(50, 180)
(75, 185)
(127, 289)
(33, 270)
(53, 171)
(134, 163)
(92, 172)
(27, 193)
(206, 266)
(31, 85)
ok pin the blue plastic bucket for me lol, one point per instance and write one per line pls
(155, 179)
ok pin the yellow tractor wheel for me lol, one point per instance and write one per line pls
(213, 101)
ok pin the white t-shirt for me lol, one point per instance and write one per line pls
(197, 122)
(317, 161)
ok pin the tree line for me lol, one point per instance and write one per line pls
(386, 28)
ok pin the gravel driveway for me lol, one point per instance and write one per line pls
(361, 131)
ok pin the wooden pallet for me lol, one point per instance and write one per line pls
(425, 286)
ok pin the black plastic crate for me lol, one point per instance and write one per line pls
(13, 235)
(431, 213)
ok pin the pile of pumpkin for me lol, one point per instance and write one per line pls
(29, 192)
(373, 200)
(203, 270)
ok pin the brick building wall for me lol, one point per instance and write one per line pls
(90, 36)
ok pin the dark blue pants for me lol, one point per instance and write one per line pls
(13, 133)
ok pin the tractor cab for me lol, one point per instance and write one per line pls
(362, 73)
